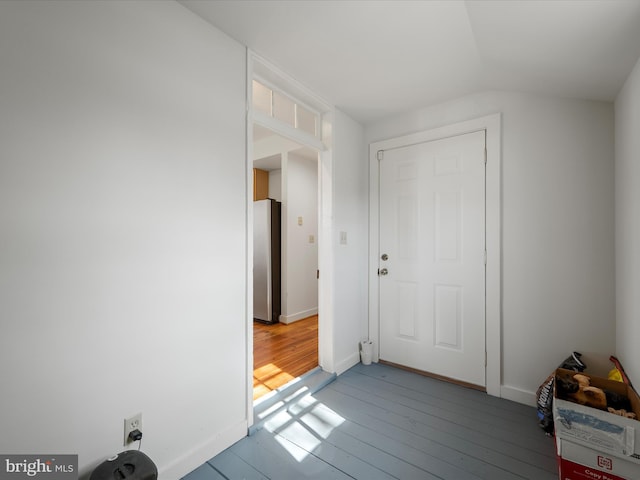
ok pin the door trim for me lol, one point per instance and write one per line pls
(491, 124)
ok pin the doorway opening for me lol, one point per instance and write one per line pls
(273, 112)
(285, 263)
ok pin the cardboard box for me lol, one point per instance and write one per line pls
(577, 462)
(598, 429)
(573, 471)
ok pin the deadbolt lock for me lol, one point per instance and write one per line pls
(385, 257)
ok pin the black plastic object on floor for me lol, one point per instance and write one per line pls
(129, 465)
(544, 395)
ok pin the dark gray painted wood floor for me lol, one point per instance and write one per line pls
(379, 422)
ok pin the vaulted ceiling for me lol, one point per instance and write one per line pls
(375, 59)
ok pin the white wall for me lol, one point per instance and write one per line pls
(300, 255)
(627, 180)
(557, 227)
(275, 184)
(122, 147)
(351, 186)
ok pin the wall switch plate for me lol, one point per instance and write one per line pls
(300, 221)
(131, 424)
(343, 238)
(312, 239)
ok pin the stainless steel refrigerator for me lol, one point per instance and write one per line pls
(266, 261)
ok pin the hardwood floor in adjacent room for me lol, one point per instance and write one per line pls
(283, 352)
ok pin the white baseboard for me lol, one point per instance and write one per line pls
(200, 454)
(518, 395)
(344, 365)
(286, 319)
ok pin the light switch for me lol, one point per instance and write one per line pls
(343, 238)
(312, 239)
(300, 221)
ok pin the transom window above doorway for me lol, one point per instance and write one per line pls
(283, 108)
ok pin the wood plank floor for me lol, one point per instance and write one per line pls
(283, 352)
(380, 422)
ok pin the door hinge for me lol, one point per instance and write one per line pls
(485, 359)
(317, 273)
(485, 257)
(380, 155)
(485, 155)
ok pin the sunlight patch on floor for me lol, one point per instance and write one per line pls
(300, 436)
(322, 420)
(303, 426)
(268, 378)
(299, 454)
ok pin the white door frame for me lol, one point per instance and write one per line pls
(257, 65)
(493, 304)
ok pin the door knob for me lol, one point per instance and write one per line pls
(383, 271)
(384, 257)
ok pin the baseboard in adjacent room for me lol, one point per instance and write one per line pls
(286, 319)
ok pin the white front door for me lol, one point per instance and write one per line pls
(432, 257)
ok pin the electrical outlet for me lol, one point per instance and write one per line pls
(131, 424)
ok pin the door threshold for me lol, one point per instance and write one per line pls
(435, 376)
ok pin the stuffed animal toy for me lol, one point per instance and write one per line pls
(622, 412)
(579, 390)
